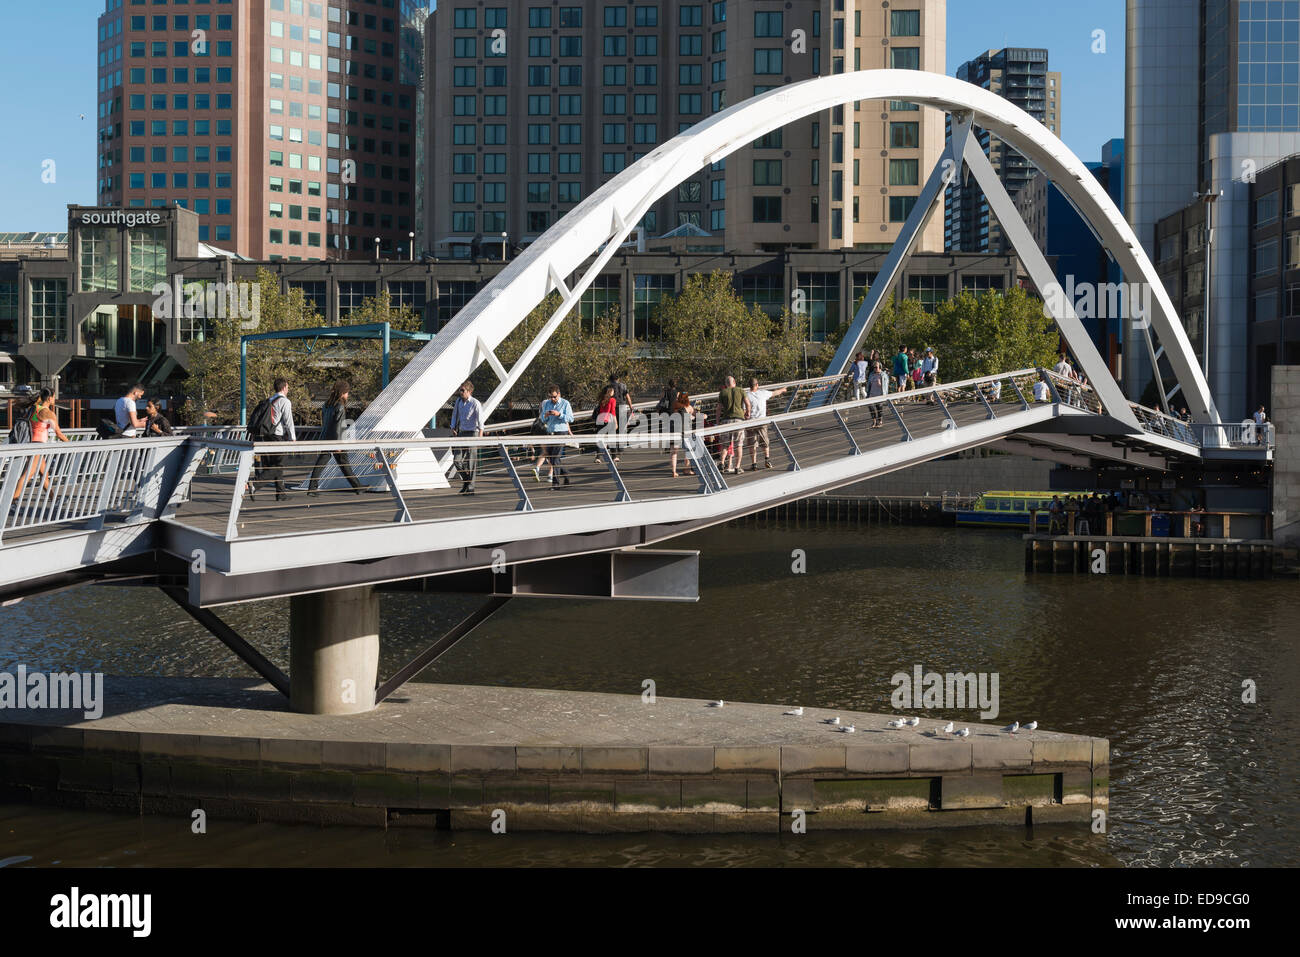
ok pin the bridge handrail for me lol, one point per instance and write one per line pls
(622, 438)
(650, 404)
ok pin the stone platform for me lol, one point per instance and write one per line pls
(452, 755)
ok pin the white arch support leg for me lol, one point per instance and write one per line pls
(1056, 303)
(930, 196)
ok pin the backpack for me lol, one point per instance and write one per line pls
(260, 426)
(21, 431)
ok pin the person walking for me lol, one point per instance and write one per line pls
(860, 372)
(334, 417)
(756, 435)
(732, 407)
(680, 420)
(901, 369)
(467, 420)
(606, 415)
(623, 411)
(276, 426)
(129, 424)
(43, 419)
(557, 415)
(877, 385)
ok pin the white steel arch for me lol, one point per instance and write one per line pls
(604, 219)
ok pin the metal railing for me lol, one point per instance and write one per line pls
(1235, 435)
(601, 468)
(52, 484)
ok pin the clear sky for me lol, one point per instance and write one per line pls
(47, 80)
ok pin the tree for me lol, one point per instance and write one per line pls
(973, 335)
(579, 361)
(213, 362)
(993, 332)
(709, 333)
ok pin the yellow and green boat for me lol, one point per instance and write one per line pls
(1006, 510)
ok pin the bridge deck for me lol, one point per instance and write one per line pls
(645, 473)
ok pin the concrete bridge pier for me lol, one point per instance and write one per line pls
(334, 651)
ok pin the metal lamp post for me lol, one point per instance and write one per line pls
(1208, 198)
(503, 245)
(376, 249)
(411, 236)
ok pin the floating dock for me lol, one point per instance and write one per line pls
(456, 756)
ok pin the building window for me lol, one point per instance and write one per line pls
(1266, 209)
(905, 23)
(822, 291)
(929, 290)
(767, 209)
(1266, 258)
(900, 207)
(649, 291)
(982, 282)
(352, 295)
(49, 310)
(904, 172)
(601, 299)
(147, 263)
(767, 172)
(767, 60)
(905, 58)
(314, 292)
(99, 259)
(408, 294)
(453, 294)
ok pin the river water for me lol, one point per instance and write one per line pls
(1156, 665)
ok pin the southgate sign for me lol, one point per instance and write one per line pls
(120, 217)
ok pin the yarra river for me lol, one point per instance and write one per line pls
(1155, 665)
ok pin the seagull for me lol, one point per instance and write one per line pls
(898, 723)
(947, 728)
(848, 729)
(834, 720)
(715, 704)
(1012, 728)
(912, 722)
(1031, 726)
(797, 712)
(963, 733)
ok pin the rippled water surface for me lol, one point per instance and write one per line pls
(1155, 665)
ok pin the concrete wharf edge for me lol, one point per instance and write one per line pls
(452, 755)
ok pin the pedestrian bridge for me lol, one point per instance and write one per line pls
(172, 511)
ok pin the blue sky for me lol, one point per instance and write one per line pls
(47, 80)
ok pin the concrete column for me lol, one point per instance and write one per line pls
(1285, 415)
(334, 651)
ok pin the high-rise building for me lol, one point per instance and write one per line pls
(1020, 75)
(289, 126)
(1212, 95)
(532, 107)
(1079, 259)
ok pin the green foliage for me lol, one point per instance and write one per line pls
(973, 335)
(213, 364)
(709, 333)
(579, 361)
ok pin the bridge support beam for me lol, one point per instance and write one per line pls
(334, 651)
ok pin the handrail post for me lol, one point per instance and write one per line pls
(623, 494)
(907, 433)
(524, 504)
(402, 515)
(244, 470)
(794, 463)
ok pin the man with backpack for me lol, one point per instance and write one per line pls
(272, 421)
